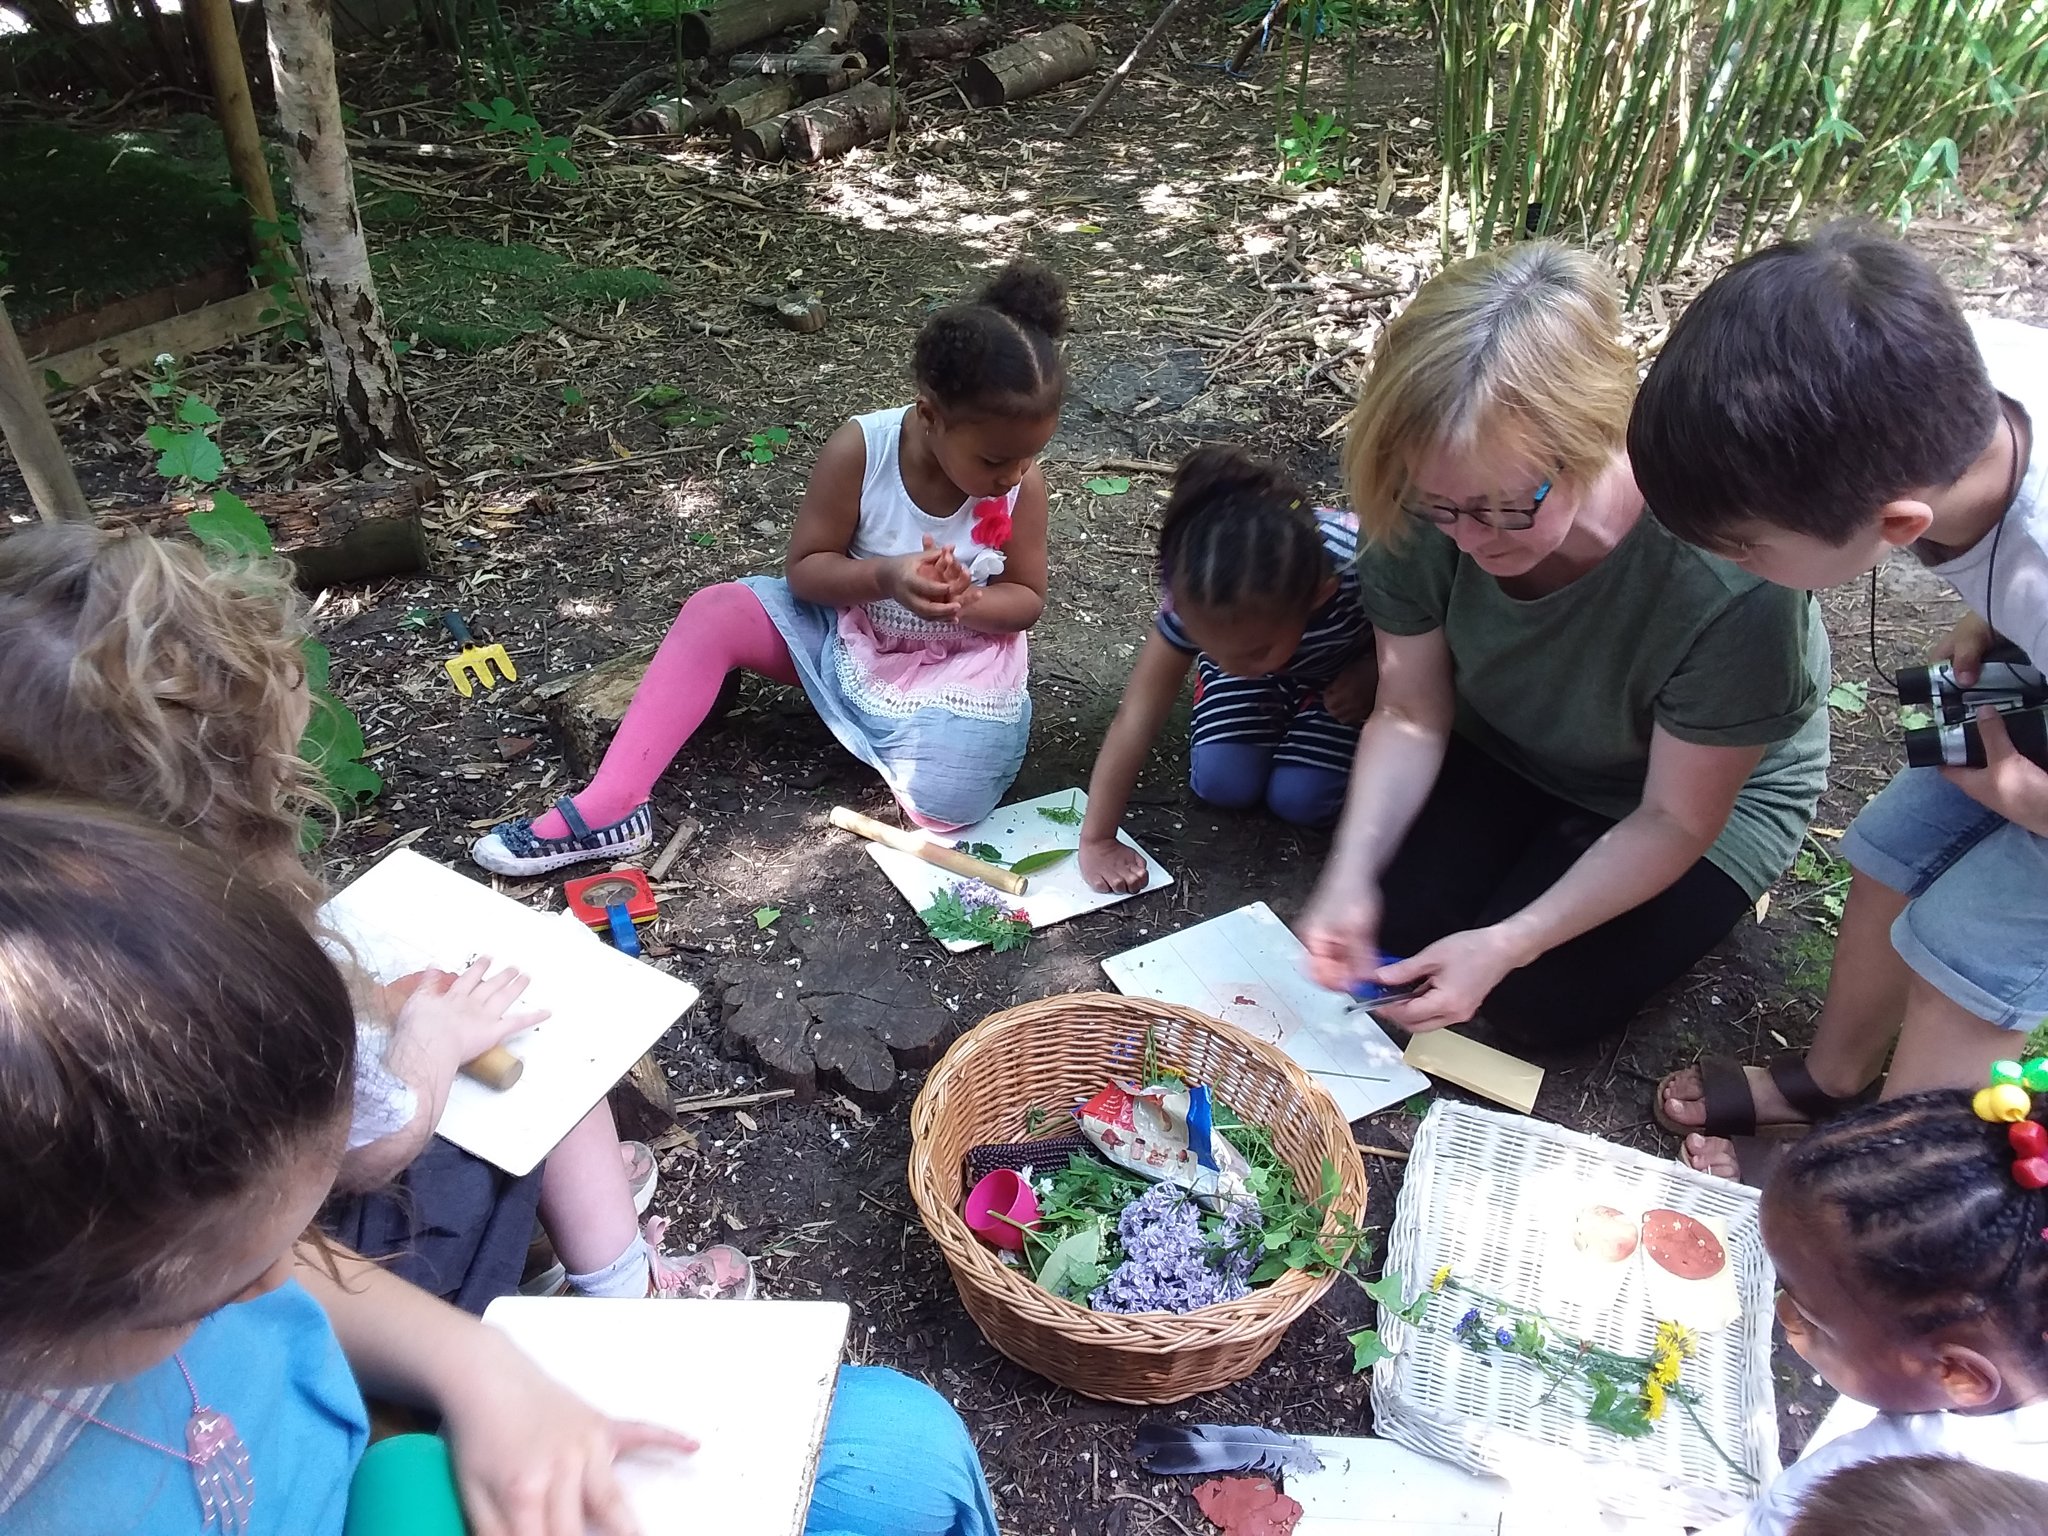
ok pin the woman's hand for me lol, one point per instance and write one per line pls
(1456, 972)
(1111, 864)
(533, 1459)
(1340, 929)
(468, 1013)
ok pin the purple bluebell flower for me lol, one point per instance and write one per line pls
(1469, 1321)
(1168, 1264)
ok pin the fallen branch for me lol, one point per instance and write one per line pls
(1131, 61)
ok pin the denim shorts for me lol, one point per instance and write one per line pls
(1976, 926)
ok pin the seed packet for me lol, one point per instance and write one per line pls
(1146, 1130)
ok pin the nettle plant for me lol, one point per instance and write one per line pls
(547, 154)
(229, 529)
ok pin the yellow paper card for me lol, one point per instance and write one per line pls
(1480, 1068)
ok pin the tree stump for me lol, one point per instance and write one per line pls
(1028, 66)
(845, 1016)
(334, 536)
(584, 708)
(732, 24)
(955, 40)
(835, 124)
(641, 1102)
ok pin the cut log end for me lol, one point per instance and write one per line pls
(1027, 67)
(835, 124)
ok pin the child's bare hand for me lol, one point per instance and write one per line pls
(1112, 865)
(913, 581)
(533, 1459)
(1350, 695)
(474, 1011)
(1964, 646)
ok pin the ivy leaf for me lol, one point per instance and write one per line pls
(1110, 485)
(185, 454)
(195, 412)
(766, 917)
(1915, 719)
(1368, 1349)
(1032, 863)
(230, 527)
(1391, 1292)
(1849, 698)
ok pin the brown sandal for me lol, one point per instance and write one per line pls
(1731, 1106)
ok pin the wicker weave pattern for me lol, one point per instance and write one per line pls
(1048, 1055)
(1464, 1204)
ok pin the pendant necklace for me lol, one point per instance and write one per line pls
(213, 1450)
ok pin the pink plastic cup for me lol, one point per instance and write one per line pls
(1003, 1194)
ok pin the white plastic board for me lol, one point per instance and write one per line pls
(750, 1381)
(1054, 895)
(606, 1009)
(1247, 969)
(1370, 1487)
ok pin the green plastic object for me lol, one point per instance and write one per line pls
(404, 1486)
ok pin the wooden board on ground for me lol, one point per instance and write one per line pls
(1248, 970)
(183, 335)
(750, 1381)
(1019, 831)
(407, 913)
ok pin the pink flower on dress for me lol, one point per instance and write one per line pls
(992, 522)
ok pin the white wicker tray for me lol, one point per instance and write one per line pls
(1481, 1196)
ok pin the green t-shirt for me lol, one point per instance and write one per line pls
(1565, 688)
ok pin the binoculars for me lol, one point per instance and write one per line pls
(2007, 681)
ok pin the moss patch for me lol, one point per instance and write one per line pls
(87, 218)
(469, 295)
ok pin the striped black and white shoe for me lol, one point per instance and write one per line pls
(515, 849)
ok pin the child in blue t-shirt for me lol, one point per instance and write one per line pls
(1258, 594)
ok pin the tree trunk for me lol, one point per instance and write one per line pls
(370, 410)
(955, 40)
(214, 21)
(731, 24)
(837, 123)
(1025, 68)
(26, 425)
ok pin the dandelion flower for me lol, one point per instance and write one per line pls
(1440, 1279)
(1653, 1399)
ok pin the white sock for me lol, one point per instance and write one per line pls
(627, 1275)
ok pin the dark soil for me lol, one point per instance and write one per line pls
(1212, 303)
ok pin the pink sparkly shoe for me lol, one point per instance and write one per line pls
(718, 1273)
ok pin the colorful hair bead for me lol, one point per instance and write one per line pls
(2003, 1072)
(2031, 1172)
(2034, 1075)
(2029, 1138)
(2008, 1102)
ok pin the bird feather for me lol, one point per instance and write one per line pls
(1176, 1449)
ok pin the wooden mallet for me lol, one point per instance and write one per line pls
(949, 859)
(497, 1068)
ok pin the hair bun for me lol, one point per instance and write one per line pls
(1031, 294)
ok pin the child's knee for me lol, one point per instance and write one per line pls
(1229, 774)
(1306, 797)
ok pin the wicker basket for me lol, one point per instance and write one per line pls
(1047, 1055)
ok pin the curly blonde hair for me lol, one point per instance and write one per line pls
(139, 673)
(1523, 340)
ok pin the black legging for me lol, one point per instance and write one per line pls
(1487, 843)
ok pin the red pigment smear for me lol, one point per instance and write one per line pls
(1247, 1506)
(1685, 1247)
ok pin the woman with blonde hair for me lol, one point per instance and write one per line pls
(1593, 746)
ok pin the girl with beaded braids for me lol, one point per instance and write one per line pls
(1256, 593)
(1910, 1239)
(915, 567)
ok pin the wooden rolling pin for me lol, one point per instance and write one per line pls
(497, 1068)
(951, 859)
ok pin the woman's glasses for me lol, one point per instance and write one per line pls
(1504, 519)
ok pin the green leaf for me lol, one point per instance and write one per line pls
(1068, 815)
(1416, 1105)
(988, 853)
(703, 540)
(1914, 719)
(1074, 1267)
(229, 526)
(185, 454)
(1368, 1349)
(53, 380)
(572, 396)
(777, 436)
(1391, 1292)
(478, 110)
(319, 663)
(1849, 698)
(1110, 485)
(195, 412)
(1032, 863)
(765, 917)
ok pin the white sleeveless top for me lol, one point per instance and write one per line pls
(891, 523)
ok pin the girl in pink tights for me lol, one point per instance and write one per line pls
(916, 565)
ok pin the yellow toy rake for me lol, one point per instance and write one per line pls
(473, 664)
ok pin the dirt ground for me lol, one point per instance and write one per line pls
(1212, 303)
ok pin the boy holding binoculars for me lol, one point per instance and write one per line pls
(1820, 405)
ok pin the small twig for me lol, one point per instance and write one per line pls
(708, 1102)
(1153, 1505)
(603, 467)
(1132, 60)
(1393, 1154)
(685, 833)
(1130, 467)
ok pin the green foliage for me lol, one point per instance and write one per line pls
(1292, 1231)
(1303, 146)
(547, 155)
(594, 18)
(237, 532)
(276, 271)
(185, 453)
(1654, 122)
(767, 917)
(1321, 18)
(762, 446)
(1110, 485)
(1068, 815)
(952, 918)
(988, 853)
(1074, 1268)
(1032, 863)
(1368, 1349)
(471, 295)
(1849, 698)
